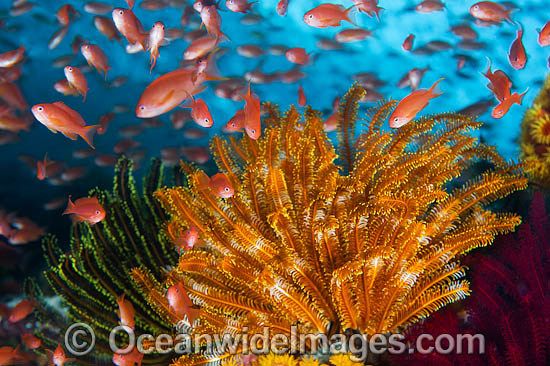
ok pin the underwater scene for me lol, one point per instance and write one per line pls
(274, 182)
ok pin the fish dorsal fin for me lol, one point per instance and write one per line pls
(73, 114)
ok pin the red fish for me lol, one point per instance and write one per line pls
(239, 6)
(297, 55)
(63, 87)
(301, 96)
(412, 78)
(502, 108)
(352, 35)
(95, 57)
(21, 310)
(156, 36)
(12, 95)
(58, 117)
(499, 84)
(77, 80)
(517, 55)
(282, 7)
(252, 120)
(408, 42)
(64, 13)
(200, 47)
(129, 359)
(212, 21)
(107, 27)
(544, 35)
(179, 301)
(59, 358)
(85, 210)
(327, 15)
(41, 167)
(130, 26)
(188, 240)
(200, 112)
(490, 11)
(30, 341)
(236, 123)
(10, 58)
(413, 103)
(126, 312)
(429, 6)
(218, 183)
(369, 7)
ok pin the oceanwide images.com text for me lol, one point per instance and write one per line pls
(82, 339)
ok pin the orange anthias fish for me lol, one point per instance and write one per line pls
(156, 36)
(327, 15)
(544, 35)
(499, 84)
(9, 355)
(218, 183)
(188, 239)
(429, 6)
(517, 55)
(10, 58)
(59, 358)
(129, 359)
(85, 210)
(64, 13)
(126, 312)
(63, 87)
(490, 11)
(180, 302)
(42, 167)
(130, 26)
(252, 112)
(169, 90)
(95, 57)
(21, 310)
(236, 123)
(408, 42)
(200, 112)
(212, 21)
(413, 103)
(200, 47)
(77, 80)
(30, 341)
(239, 6)
(58, 117)
(282, 7)
(297, 55)
(369, 7)
(301, 96)
(504, 106)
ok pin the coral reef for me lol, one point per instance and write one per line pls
(510, 302)
(368, 237)
(535, 137)
(97, 268)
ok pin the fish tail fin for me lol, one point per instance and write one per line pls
(69, 208)
(88, 134)
(249, 7)
(346, 15)
(105, 70)
(435, 92)
(223, 36)
(377, 12)
(520, 96)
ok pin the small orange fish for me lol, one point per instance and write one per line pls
(63, 87)
(85, 210)
(95, 57)
(236, 123)
(499, 84)
(41, 167)
(58, 357)
(517, 55)
(408, 42)
(30, 341)
(200, 47)
(352, 35)
(9, 355)
(77, 80)
(282, 7)
(412, 78)
(129, 25)
(327, 15)
(239, 6)
(369, 7)
(502, 108)
(252, 112)
(200, 112)
(126, 312)
(460, 63)
(10, 58)
(11, 94)
(179, 301)
(58, 117)
(130, 3)
(64, 13)
(212, 21)
(104, 122)
(301, 96)
(413, 103)
(129, 359)
(107, 27)
(544, 35)
(156, 36)
(297, 55)
(21, 310)
(188, 240)
(490, 11)
(218, 183)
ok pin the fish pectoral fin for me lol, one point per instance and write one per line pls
(167, 97)
(51, 129)
(70, 135)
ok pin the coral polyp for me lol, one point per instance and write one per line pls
(368, 238)
(535, 138)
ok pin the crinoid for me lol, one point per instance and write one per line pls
(535, 138)
(371, 243)
(97, 267)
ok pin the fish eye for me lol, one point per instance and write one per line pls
(39, 108)
(310, 16)
(206, 120)
(476, 7)
(233, 124)
(121, 12)
(227, 189)
(253, 131)
(97, 212)
(142, 107)
(69, 68)
(396, 119)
